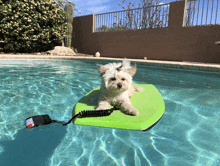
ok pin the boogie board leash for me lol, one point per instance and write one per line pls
(41, 120)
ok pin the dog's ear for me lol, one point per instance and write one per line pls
(102, 69)
(131, 71)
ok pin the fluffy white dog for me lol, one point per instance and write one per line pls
(116, 87)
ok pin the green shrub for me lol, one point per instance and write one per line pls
(31, 25)
(118, 27)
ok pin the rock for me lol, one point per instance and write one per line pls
(97, 54)
(62, 51)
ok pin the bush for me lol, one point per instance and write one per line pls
(118, 27)
(30, 25)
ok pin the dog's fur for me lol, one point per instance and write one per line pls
(116, 87)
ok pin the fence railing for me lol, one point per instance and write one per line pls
(202, 12)
(139, 18)
(199, 12)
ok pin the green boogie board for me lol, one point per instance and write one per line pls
(149, 103)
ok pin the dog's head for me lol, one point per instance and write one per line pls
(117, 77)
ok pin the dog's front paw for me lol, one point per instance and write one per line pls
(137, 88)
(103, 105)
(133, 112)
(127, 108)
(101, 108)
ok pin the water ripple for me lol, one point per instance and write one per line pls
(188, 133)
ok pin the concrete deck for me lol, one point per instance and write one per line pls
(169, 64)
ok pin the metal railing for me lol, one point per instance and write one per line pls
(139, 18)
(202, 12)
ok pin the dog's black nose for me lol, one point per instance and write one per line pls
(119, 85)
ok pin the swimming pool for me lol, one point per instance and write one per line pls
(187, 134)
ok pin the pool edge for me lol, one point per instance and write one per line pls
(157, 63)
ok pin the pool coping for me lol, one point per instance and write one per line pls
(199, 66)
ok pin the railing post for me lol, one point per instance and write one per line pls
(177, 14)
(184, 14)
(94, 23)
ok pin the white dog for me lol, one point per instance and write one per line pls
(116, 87)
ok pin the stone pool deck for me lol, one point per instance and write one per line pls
(157, 63)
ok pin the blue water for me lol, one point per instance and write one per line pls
(187, 135)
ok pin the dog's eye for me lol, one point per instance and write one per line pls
(123, 79)
(113, 78)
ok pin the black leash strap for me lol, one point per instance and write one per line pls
(94, 113)
(40, 120)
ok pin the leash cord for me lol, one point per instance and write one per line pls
(89, 113)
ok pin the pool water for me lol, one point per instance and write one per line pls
(187, 135)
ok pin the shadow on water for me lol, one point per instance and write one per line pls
(32, 146)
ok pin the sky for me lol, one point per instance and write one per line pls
(88, 7)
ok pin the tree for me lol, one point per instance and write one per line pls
(151, 15)
(190, 12)
(28, 26)
(31, 26)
